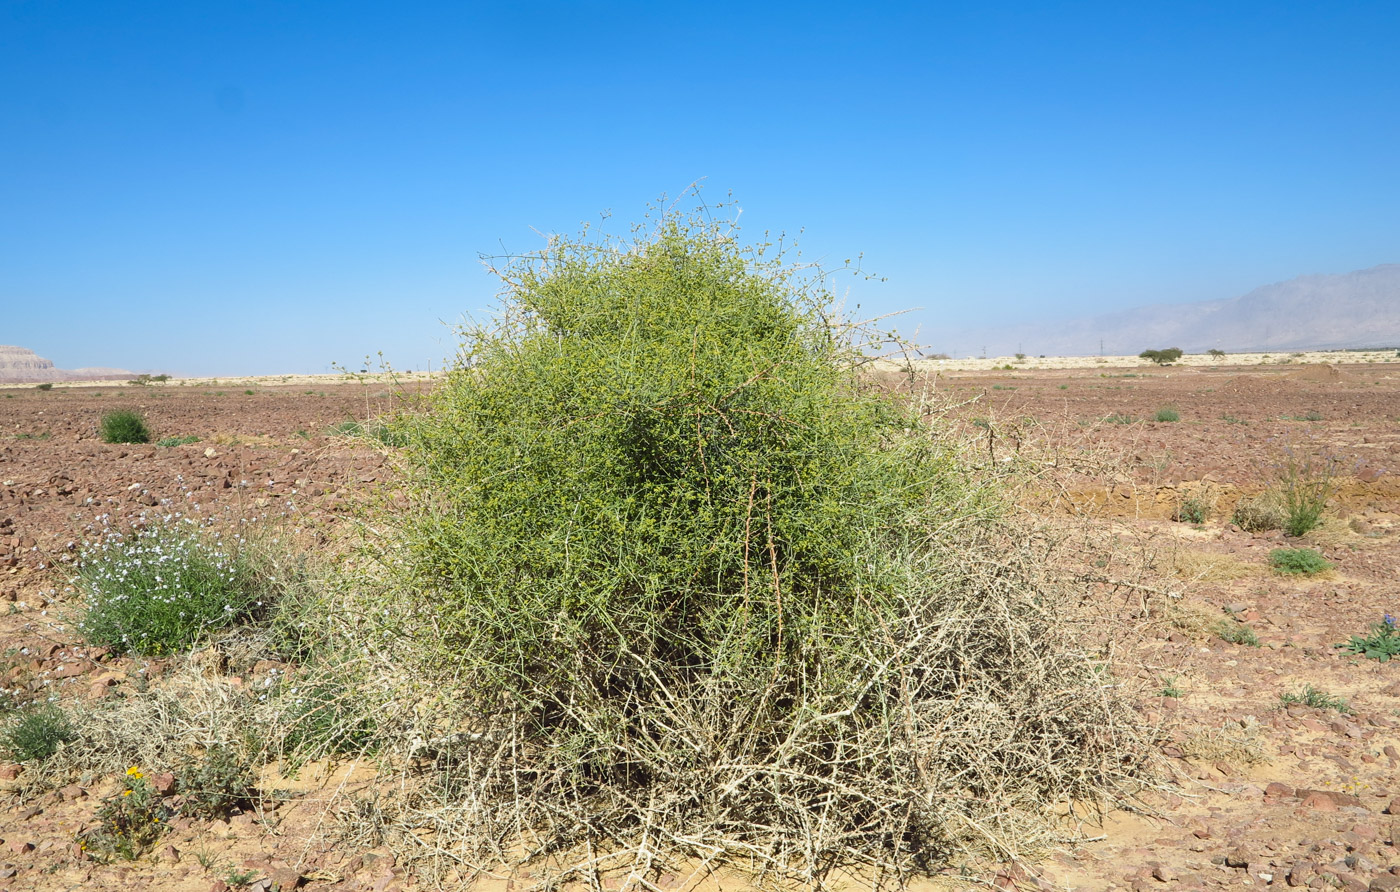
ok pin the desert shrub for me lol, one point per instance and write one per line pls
(164, 589)
(1298, 561)
(373, 430)
(1167, 415)
(1260, 513)
(1162, 357)
(1235, 632)
(215, 782)
(321, 713)
(699, 589)
(36, 732)
(1216, 354)
(129, 823)
(1192, 509)
(1305, 483)
(178, 441)
(47, 385)
(124, 426)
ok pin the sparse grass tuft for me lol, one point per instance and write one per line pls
(1167, 415)
(1260, 514)
(124, 426)
(1314, 698)
(178, 441)
(1234, 632)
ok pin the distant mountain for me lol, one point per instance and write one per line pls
(1357, 309)
(18, 365)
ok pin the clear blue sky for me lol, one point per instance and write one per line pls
(259, 187)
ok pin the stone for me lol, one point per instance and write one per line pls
(1277, 790)
(163, 783)
(1237, 858)
(1384, 883)
(285, 879)
(1164, 874)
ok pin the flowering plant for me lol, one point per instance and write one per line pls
(1382, 644)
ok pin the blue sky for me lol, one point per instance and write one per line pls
(262, 187)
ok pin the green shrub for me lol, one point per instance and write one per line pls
(323, 714)
(164, 589)
(36, 732)
(1298, 561)
(1381, 644)
(1162, 357)
(1216, 354)
(1167, 415)
(1117, 418)
(1315, 698)
(45, 386)
(1192, 509)
(373, 430)
(129, 823)
(178, 441)
(124, 426)
(216, 782)
(668, 543)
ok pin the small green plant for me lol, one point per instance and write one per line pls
(1382, 644)
(1169, 688)
(248, 392)
(1305, 485)
(164, 589)
(1118, 418)
(129, 823)
(375, 430)
(1231, 419)
(1314, 698)
(1162, 357)
(322, 717)
(1167, 415)
(124, 426)
(36, 733)
(28, 436)
(1192, 509)
(178, 441)
(238, 877)
(45, 386)
(215, 783)
(1232, 631)
(1298, 561)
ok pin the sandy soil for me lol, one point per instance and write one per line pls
(1249, 793)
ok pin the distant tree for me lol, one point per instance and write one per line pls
(1162, 357)
(1216, 354)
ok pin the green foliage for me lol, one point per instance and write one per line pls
(1235, 632)
(373, 430)
(124, 426)
(662, 531)
(36, 732)
(1381, 644)
(164, 589)
(1169, 688)
(1305, 484)
(1298, 561)
(47, 385)
(129, 823)
(216, 782)
(1314, 698)
(1162, 357)
(1167, 415)
(322, 714)
(1192, 509)
(178, 441)
(143, 380)
(1216, 354)
(1118, 418)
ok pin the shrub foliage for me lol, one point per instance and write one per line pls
(124, 426)
(706, 593)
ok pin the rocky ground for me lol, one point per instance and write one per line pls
(1250, 792)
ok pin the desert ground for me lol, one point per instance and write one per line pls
(1246, 790)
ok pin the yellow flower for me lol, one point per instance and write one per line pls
(126, 792)
(135, 772)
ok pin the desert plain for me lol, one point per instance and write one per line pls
(1245, 789)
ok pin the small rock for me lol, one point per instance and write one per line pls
(1163, 874)
(1384, 883)
(163, 783)
(170, 854)
(1277, 790)
(1392, 809)
(10, 771)
(1237, 858)
(285, 879)
(71, 792)
(21, 848)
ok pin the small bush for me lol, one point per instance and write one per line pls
(166, 588)
(1167, 415)
(178, 441)
(215, 783)
(1381, 644)
(1192, 509)
(1118, 418)
(45, 386)
(374, 430)
(322, 715)
(1259, 514)
(128, 824)
(124, 426)
(1298, 561)
(36, 733)
(1305, 485)
(1234, 632)
(1314, 698)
